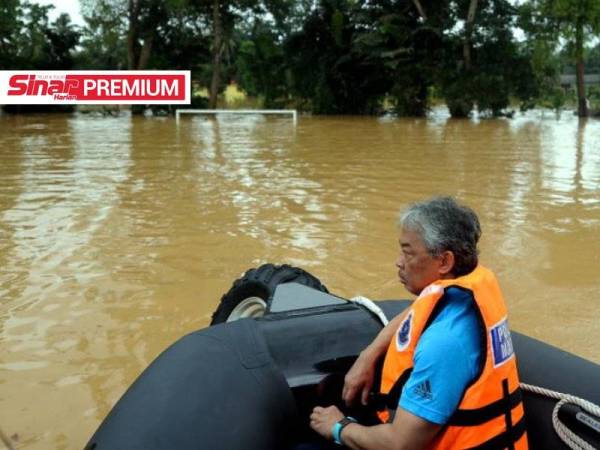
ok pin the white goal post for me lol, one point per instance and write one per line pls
(291, 112)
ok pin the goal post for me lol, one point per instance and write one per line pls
(291, 112)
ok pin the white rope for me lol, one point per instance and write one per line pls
(568, 437)
(371, 306)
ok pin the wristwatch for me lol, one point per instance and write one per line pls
(336, 431)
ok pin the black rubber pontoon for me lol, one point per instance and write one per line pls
(250, 384)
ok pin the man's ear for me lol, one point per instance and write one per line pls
(446, 263)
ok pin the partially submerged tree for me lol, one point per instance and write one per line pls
(328, 56)
(331, 72)
(260, 65)
(483, 63)
(574, 21)
(224, 15)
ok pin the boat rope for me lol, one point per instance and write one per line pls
(568, 437)
(370, 306)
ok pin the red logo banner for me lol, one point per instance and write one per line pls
(94, 87)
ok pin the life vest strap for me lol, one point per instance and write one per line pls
(479, 416)
(390, 400)
(504, 440)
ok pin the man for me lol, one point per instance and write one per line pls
(449, 357)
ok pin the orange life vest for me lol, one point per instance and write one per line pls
(490, 414)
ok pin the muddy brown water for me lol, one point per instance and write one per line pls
(119, 235)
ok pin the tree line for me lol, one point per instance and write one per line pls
(329, 56)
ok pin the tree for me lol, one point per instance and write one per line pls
(546, 62)
(32, 42)
(225, 17)
(330, 70)
(260, 65)
(350, 57)
(29, 41)
(483, 63)
(467, 44)
(219, 39)
(103, 38)
(145, 18)
(62, 37)
(221, 15)
(10, 27)
(575, 21)
(415, 50)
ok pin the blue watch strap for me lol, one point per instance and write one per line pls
(337, 428)
(335, 431)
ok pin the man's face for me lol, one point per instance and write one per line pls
(416, 267)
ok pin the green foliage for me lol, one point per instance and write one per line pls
(329, 71)
(503, 73)
(555, 98)
(62, 37)
(593, 59)
(10, 28)
(103, 41)
(260, 68)
(406, 51)
(349, 56)
(457, 90)
(29, 41)
(501, 69)
(575, 23)
(594, 98)
(179, 35)
(183, 42)
(327, 56)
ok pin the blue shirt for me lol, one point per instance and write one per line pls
(446, 360)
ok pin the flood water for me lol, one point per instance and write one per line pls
(119, 235)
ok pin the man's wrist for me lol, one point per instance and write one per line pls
(338, 427)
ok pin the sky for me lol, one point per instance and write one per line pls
(70, 7)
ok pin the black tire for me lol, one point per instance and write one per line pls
(261, 283)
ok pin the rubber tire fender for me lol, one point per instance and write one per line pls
(261, 282)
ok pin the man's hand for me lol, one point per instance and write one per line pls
(323, 419)
(359, 379)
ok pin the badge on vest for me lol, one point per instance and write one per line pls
(502, 346)
(403, 334)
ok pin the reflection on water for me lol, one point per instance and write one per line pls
(119, 235)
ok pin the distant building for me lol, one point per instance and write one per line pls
(570, 80)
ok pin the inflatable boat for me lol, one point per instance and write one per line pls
(278, 345)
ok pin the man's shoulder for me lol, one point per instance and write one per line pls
(458, 294)
(456, 321)
(456, 305)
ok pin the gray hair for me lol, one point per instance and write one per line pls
(443, 224)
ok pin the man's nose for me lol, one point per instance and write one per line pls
(400, 262)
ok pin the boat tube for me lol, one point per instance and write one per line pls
(251, 383)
